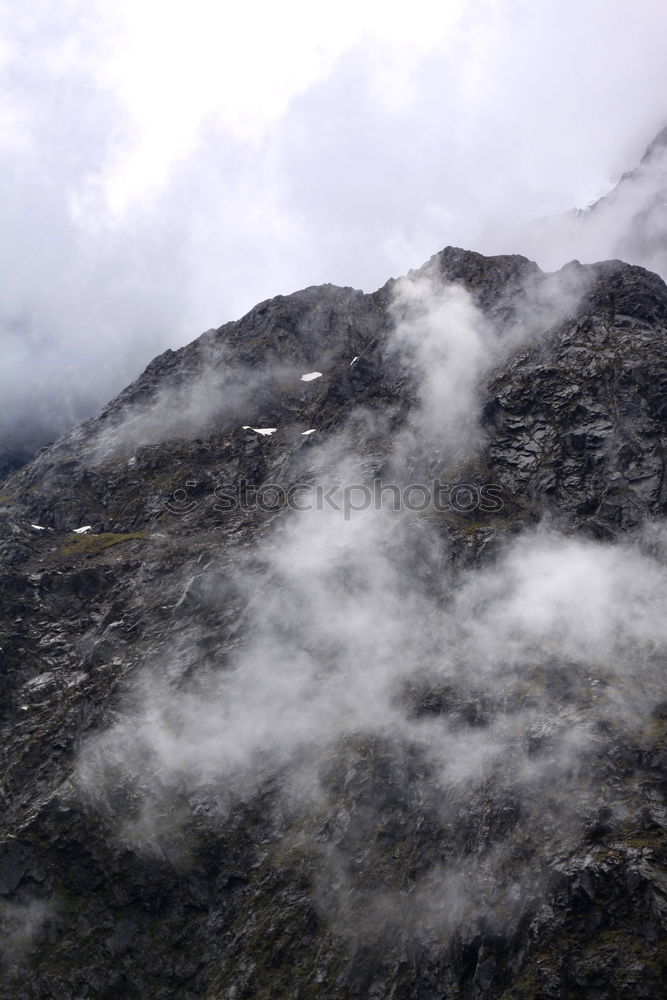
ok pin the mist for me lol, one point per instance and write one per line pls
(359, 637)
(504, 681)
(142, 206)
(21, 924)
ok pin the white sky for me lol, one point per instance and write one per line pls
(165, 165)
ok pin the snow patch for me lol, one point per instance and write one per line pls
(260, 430)
(355, 358)
(83, 531)
(309, 376)
(311, 431)
(37, 527)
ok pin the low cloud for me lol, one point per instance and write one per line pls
(448, 343)
(629, 223)
(206, 401)
(20, 925)
(502, 677)
(140, 209)
(360, 632)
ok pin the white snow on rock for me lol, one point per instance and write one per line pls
(83, 531)
(309, 376)
(356, 358)
(311, 431)
(37, 527)
(260, 430)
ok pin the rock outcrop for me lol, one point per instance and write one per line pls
(350, 861)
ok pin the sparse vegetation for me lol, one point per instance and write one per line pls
(90, 545)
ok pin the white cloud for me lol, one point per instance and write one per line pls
(164, 167)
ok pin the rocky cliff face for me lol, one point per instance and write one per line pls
(409, 749)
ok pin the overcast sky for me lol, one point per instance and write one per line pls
(165, 165)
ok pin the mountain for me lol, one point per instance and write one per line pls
(413, 748)
(629, 223)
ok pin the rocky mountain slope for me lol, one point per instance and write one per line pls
(634, 215)
(409, 749)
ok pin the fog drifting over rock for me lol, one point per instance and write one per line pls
(502, 680)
